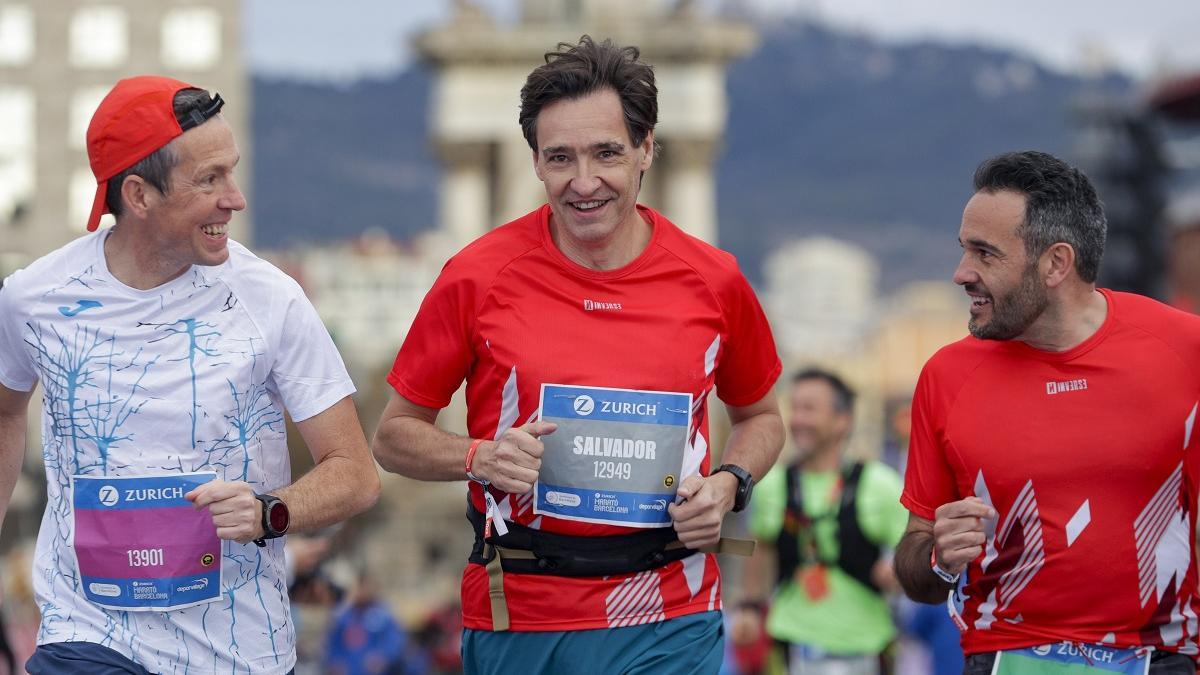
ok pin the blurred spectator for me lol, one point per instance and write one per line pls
(19, 616)
(366, 639)
(829, 524)
(307, 581)
(441, 639)
(1183, 252)
(749, 646)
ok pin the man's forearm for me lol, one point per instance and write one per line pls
(418, 449)
(331, 492)
(344, 481)
(754, 443)
(914, 571)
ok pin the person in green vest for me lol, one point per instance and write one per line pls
(827, 525)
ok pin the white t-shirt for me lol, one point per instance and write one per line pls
(191, 376)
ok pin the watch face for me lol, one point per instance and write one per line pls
(278, 517)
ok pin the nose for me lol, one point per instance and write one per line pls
(965, 274)
(585, 181)
(233, 199)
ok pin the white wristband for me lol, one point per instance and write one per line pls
(942, 574)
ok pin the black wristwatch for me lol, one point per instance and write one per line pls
(275, 518)
(745, 485)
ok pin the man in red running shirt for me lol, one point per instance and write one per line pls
(589, 528)
(1052, 477)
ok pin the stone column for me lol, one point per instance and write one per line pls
(465, 197)
(689, 196)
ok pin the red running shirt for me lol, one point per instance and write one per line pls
(510, 312)
(1089, 458)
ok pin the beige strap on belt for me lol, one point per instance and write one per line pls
(742, 547)
(495, 571)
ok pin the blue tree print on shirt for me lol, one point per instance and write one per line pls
(194, 330)
(253, 412)
(67, 367)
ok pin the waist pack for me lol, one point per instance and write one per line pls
(524, 550)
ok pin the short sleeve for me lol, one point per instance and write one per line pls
(749, 365)
(17, 370)
(769, 504)
(308, 371)
(928, 480)
(436, 354)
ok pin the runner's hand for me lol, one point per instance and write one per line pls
(958, 532)
(705, 503)
(235, 512)
(512, 463)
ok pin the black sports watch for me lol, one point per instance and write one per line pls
(275, 518)
(745, 485)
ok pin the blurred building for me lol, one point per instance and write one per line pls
(367, 291)
(481, 65)
(820, 297)
(825, 309)
(57, 60)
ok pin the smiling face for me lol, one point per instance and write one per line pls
(189, 224)
(818, 427)
(1007, 294)
(591, 169)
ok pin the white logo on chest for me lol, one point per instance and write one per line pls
(596, 305)
(1065, 386)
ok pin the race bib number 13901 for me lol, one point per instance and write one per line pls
(141, 545)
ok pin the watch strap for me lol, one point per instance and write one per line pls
(268, 501)
(942, 574)
(745, 484)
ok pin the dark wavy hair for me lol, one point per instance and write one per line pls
(574, 71)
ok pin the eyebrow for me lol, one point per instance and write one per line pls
(219, 164)
(614, 146)
(980, 243)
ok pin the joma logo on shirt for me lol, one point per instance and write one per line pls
(594, 305)
(1068, 385)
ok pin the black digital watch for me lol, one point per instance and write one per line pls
(275, 518)
(745, 485)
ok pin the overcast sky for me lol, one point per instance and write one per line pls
(349, 39)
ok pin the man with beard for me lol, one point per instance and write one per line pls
(1051, 477)
(830, 524)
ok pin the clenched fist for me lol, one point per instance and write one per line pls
(512, 463)
(959, 532)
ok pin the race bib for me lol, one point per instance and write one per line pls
(1069, 658)
(615, 457)
(141, 546)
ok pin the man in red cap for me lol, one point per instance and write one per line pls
(168, 355)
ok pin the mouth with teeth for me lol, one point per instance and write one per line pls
(979, 300)
(589, 206)
(215, 230)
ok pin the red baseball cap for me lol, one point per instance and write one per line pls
(136, 118)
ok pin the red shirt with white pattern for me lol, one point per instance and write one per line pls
(1089, 458)
(510, 312)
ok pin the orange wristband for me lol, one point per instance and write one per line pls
(471, 458)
